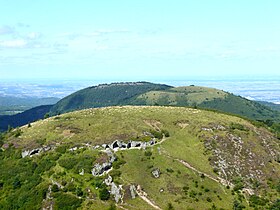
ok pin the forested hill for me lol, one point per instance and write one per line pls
(105, 95)
(23, 118)
(144, 93)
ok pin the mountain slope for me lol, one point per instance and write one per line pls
(142, 93)
(271, 105)
(23, 118)
(210, 98)
(104, 95)
(10, 105)
(165, 157)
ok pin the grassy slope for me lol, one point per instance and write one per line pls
(144, 93)
(182, 96)
(210, 98)
(187, 142)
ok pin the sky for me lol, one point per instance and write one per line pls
(139, 40)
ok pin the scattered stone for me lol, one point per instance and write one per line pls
(82, 172)
(156, 173)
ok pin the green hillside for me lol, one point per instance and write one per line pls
(104, 95)
(271, 105)
(165, 158)
(143, 93)
(210, 98)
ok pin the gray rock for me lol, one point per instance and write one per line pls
(82, 172)
(25, 153)
(108, 181)
(116, 192)
(132, 189)
(99, 169)
(156, 173)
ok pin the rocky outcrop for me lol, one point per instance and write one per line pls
(120, 145)
(101, 168)
(36, 151)
(116, 190)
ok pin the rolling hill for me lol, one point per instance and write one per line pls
(105, 95)
(140, 157)
(143, 93)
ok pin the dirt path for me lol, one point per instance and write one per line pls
(143, 196)
(218, 179)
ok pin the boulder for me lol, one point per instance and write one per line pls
(156, 173)
(25, 153)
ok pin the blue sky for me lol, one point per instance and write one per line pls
(139, 40)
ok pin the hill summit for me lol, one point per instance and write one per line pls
(144, 93)
(140, 157)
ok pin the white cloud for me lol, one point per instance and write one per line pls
(6, 30)
(13, 43)
(33, 35)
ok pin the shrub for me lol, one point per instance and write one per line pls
(115, 174)
(156, 134)
(237, 205)
(256, 200)
(237, 126)
(170, 206)
(68, 163)
(65, 201)
(104, 194)
(169, 170)
(209, 199)
(148, 153)
(79, 192)
(166, 133)
(55, 188)
(118, 163)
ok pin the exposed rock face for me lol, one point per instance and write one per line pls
(99, 169)
(36, 151)
(116, 145)
(233, 155)
(156, 173)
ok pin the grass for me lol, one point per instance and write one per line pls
(189, 130)
(182, 96)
